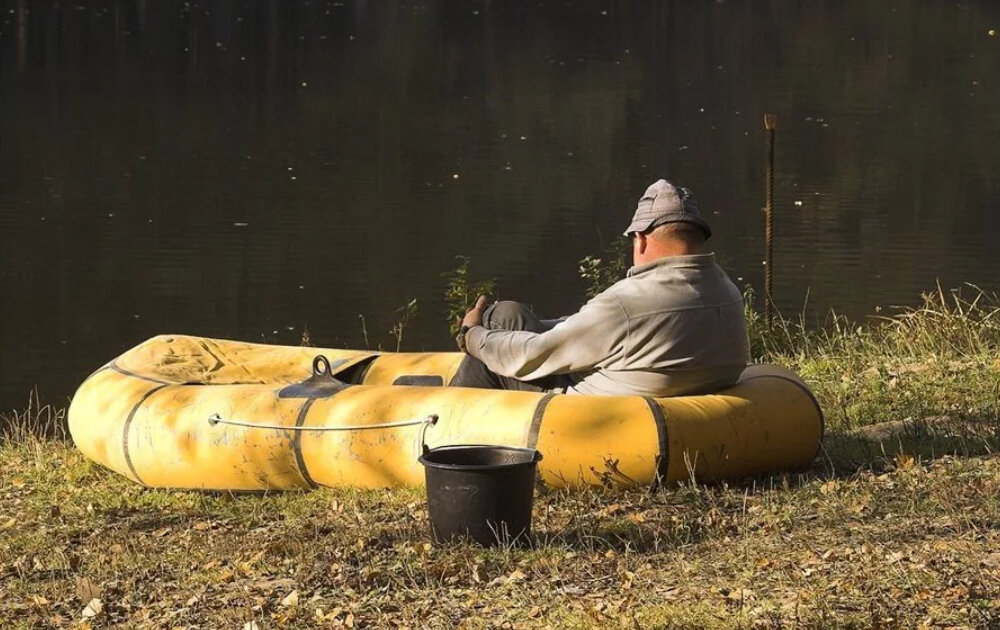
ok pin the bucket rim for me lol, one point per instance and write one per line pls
(536, 457)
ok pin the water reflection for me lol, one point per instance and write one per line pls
(246, 170)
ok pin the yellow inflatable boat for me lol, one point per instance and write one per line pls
(189, 412)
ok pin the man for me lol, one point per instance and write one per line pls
(673, 326)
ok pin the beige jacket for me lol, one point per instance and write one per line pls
(673, 326)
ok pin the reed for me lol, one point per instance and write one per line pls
(938, 359)
(37, 421)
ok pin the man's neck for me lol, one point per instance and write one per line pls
(666, 251)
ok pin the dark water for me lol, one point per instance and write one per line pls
(248, 169)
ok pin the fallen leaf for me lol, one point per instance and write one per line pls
(991, 561)
(478, 574)
(905, 462)
(92, 609)
(330, 616)
(894, 557)
(276, 584)
(87, 590)
(738, 595)
(292, 599)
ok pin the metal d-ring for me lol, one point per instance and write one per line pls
(321, 366)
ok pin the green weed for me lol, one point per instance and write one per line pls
(461, 291)
(605, 270)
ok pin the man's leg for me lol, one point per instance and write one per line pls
(505, 315)
(508, 315)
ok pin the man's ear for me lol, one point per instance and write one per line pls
(641, 242)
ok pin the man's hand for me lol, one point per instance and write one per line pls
(473, 318)
(475, 315)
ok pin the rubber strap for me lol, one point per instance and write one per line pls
(114, 366)
(536, 420)
(297, 443)
(128, 425)
(98, 371)
(663, 458)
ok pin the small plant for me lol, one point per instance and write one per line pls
(461, 291)
(406, 314)
(605, 270)
(306, 340)
(36, 422)
(364, 331)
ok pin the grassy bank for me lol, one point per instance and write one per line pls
(896, 525)
(940, 360)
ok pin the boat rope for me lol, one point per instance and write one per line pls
(430, 420)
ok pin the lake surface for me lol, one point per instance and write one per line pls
(252, 169)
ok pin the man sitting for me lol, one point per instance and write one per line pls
(674, 325)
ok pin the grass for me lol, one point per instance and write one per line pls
(896, 525)
(931, 366)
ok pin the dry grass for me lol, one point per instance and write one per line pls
(896, 525)
(35, 421)
(941, 359)
(917, 544)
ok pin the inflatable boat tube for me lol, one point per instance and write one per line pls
(189, 412)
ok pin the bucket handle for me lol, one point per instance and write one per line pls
(430, 421)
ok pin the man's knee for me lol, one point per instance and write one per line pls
(508, 315)
(472, 372)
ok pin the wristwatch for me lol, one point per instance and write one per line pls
(460, 337)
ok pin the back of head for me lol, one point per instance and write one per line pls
(682, 233)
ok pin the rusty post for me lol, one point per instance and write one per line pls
(770, 122)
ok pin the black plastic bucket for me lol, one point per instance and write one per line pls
(481, 492)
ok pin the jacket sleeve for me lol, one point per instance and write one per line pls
(578, 343)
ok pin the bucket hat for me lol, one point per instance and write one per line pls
(665, 203)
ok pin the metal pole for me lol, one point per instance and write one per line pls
(770, 122)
